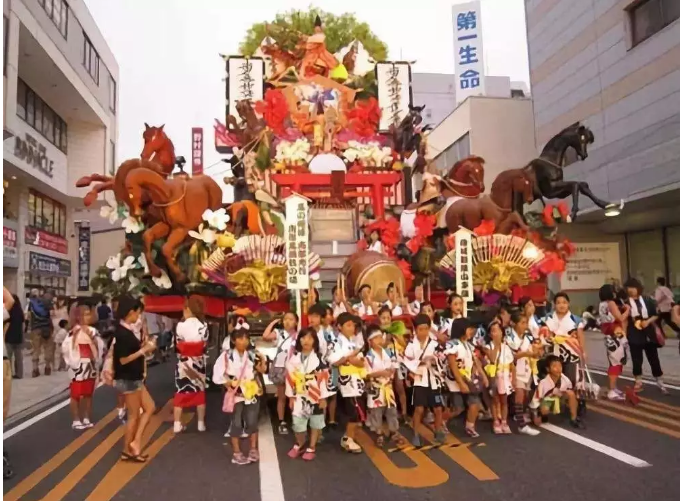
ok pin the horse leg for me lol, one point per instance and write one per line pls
(159, 230)
(96, 190)
(585, 190)
(169, 249)
(92, 178)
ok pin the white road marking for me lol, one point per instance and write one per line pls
(645, 381)
(39, 417)
(596, 446)
(271, 488)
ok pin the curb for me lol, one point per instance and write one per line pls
(645, 377)
(36, 408)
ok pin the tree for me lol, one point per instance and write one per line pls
(340, 30)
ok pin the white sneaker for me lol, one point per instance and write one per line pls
(227, 434)
(429, 418)
(661, 385)
(177, 427)
(615, 396)
(201, 426)
(350, 445)
(76, 425)
(87, 424)
(527, 430)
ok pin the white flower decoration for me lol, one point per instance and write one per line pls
(109, 212)
(369, 154)
(119, 270)
(134, 282)
(132, 225)
(142, 263)
(164, 281)
(206, 235)
(216, 219)
(293, 153)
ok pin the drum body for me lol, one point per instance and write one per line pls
(374, 269)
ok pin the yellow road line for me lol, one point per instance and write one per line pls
(638, 412)
(63, 488)
(462, 455)
(666, 412)
(57, 460)
(123, 472)
(643, 424)
(661, 405)
(425, 473)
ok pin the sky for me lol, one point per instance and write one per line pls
(170, 71)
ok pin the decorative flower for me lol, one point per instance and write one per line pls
(370, 154)
(132, 224)
(226, 241)
(364, 118)
(274, 110)
(293, 153)
(206, 235)
(241, 324)
(486, 227)
(142, 263)
(407, 272)
(119, 269)
(163, 282)
(216, 219)
(110, 211)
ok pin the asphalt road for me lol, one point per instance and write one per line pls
(52, 462)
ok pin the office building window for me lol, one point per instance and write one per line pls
(46, 214)
(33, 110)
(648, 17)
(112, 94)
(58, 11)
(90, 58)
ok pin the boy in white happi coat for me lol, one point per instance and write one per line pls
(306, 387)
(422, 362)
(348, 357)
(551, 390)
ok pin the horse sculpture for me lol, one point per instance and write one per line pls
(180, 203)
(248, 131)
(464, 179)
(158, 154)
(471, 212)
(407, 136)
(547, 170)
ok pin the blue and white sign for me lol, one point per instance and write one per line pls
(469, 66)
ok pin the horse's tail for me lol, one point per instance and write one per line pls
(124, 169)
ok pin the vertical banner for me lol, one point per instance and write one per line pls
(245, 80)
(469, 65)
(197, 150)
(464, 270)
(394, 80)
(83, 257)
(297, 242)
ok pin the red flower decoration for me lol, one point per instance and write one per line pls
(389, 233)
(424, 224)
(450, 242)
(364, 118)
(407, 273)
(274, 110)
(563, 210)
(362, 244)
(548, 215)
(486, 227)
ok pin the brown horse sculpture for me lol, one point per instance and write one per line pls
(158, 148)
(180, 202)
(471, 212)
(464, 179)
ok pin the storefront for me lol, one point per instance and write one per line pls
(47, 272)
(10, 254)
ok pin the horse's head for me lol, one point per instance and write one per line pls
(245, 109)
(523, 183)
(578, 137)
(470, 171)
(135, 195)
(155, 139)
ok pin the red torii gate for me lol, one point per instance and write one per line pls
(309, 185)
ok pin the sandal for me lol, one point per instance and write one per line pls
(398, 440)
(136, 459)
(471, 431)
(380, 441)
(309, 454)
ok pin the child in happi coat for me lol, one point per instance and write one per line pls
(568, 338)
(380, 397)
(455, 311)
(283, 333)
(82, 351)
(421, 361)
(394, 343)
(464, 377)
(396, 304)
(348, 357)
(526, 351)
(551, 390)
(500, 370)
(236, 369)
(616, 352)
(330, 336)
(306, 388)
(414, 307)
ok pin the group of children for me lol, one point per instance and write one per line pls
(378, 372)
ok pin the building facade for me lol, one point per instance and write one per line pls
(614, 65)
(60, 123)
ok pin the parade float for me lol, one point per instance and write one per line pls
(316, 156)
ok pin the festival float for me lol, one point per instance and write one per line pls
(316, 157)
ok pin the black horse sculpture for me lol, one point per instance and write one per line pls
(548, 168)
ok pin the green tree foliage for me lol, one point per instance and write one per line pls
(340, 30)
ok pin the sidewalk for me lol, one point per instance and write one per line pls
(30, 391)
(669, 356)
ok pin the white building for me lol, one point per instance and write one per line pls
(614, 65)
(60, 123)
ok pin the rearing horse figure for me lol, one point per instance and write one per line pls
(548, 168)
(158, 148)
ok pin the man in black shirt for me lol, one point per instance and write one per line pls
(14, 339)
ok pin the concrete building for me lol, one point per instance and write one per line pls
(498, 129)
(614, 65)
(60, 123)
